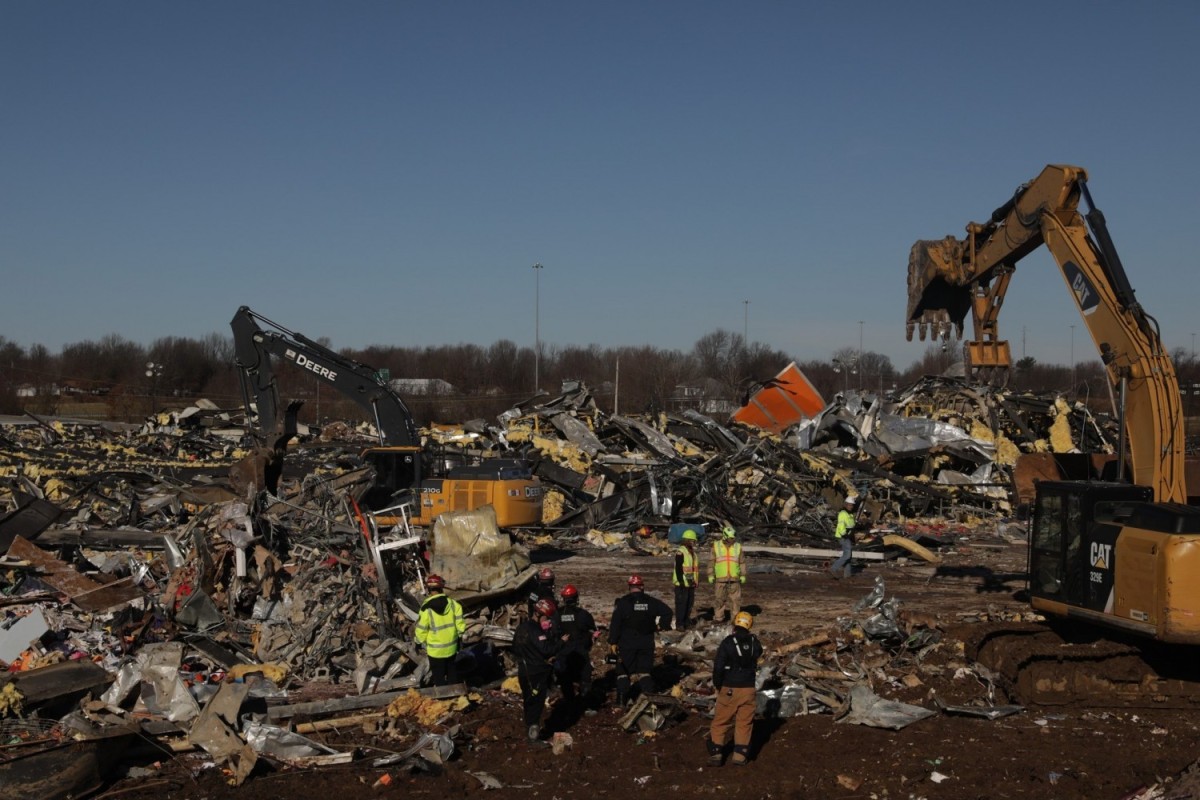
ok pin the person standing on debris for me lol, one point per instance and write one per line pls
(577, 628)
(844, 533)
(734, 671)
(535, 645)
(440, 626)
(543, 588)
(635, 618)
(685, 576)
(728, 572)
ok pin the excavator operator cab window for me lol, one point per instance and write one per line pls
(1046, 547)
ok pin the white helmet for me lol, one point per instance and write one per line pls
(851, 499)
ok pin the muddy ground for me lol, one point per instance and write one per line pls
(1046, 752)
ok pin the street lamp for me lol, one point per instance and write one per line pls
(153, 371)
(746, 326)
(860, 345)
(846, 367)
(1072, 358)
(537, 326)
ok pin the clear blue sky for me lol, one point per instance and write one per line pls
(387, 173)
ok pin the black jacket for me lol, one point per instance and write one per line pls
(578, 624)
(540, 591)
(635, 618)
(737, 660)
(535, 649)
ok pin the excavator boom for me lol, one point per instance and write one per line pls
(949, 278)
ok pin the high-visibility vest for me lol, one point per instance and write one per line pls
(440, 632)
(691, 569)
(845, 523)
(727, 561)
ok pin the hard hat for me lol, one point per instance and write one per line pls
(434, 582)
(728, 532)
(569, 592)
(546, 607)
(689, 535)
(743, 620)
(636, 580)
(851, 499)
(546, 575)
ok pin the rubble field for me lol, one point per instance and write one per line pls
(166, 633)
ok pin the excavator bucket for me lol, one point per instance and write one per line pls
(939, 296)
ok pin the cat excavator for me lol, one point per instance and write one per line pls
(1119, 552)
(403, 483)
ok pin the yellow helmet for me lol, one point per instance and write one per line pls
(689, 535)
(743, 620)
(728, 532)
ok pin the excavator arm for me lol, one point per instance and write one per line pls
(254, 349)
(950, 277)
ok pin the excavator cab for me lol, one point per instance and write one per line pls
(397, 471)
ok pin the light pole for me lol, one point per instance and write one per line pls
(846, 367)
(537, 326)
(860, 345)
(1072, 358)
(746, 325)
(153, 371)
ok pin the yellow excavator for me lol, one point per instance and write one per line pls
(1123, 553)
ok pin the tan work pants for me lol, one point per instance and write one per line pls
(728, 596)
(735, 710)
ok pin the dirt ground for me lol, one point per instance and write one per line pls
(1049, 752)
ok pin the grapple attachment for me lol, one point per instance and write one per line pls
(939, 293)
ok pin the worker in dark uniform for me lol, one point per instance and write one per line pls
(577, 629)
(535, 645)
(734, 672)
(635, 618)
(543, 588)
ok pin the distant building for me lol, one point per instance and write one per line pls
(707, 397)
(435, 387)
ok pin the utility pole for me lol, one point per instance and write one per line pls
(860, 353)
(1072, 358)
(746, 326)
(537, 326)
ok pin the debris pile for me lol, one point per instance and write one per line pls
(140, 593)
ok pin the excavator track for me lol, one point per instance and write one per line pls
(1041, 665)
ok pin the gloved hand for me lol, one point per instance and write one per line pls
(711, 579)
(612, 648)
(742, 579)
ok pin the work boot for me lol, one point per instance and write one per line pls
(741, 755)
(715, 757)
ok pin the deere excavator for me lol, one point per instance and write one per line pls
(403, 484)
(1120, 554)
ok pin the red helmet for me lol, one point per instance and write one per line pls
(546, 575)
(546, 607)
(434, 582)
(569, 592)
(636, 580)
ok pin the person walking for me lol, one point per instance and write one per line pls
(535, 645)
(577, 629)
(440, 626)
(844, 533)
(685, 576)
(727, 572)
(635, 618)
(734, 671)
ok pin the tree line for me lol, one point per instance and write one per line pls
(124, 380)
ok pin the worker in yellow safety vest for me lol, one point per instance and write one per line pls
(844, 533)
(728, 572)
(440, 626)
(685, 576)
